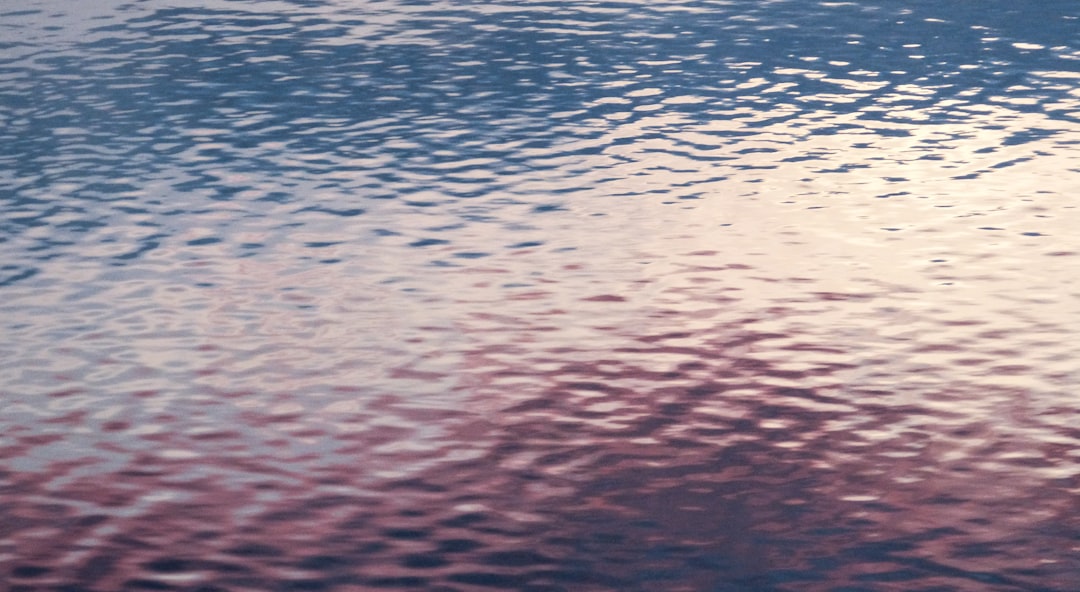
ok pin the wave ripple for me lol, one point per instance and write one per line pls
(677, 295)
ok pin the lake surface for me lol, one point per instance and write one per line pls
(744, 295)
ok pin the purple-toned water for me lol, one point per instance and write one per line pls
(762, 296)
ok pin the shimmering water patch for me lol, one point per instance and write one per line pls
(558, 296)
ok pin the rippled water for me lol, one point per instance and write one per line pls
(745, 295)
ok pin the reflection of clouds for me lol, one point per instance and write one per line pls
(649, 289)
(889, 316)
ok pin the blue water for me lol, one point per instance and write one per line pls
(628, 296)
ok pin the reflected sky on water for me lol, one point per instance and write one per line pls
(706, 296)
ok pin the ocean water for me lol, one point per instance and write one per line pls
(703, 296)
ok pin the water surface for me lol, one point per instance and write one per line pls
(668, 295)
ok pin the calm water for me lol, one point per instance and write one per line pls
(703, 296)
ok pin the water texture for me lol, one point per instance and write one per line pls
(744, 295)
